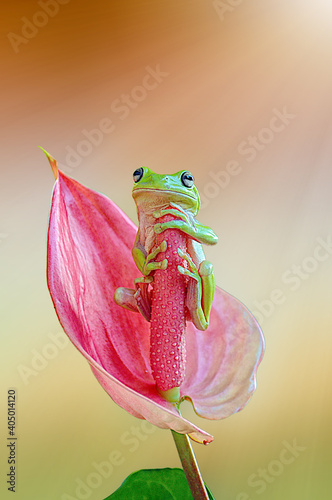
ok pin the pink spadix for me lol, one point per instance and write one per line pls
(168, 313)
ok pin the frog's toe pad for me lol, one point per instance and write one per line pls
(205, 268)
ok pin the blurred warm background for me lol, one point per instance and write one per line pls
(239, 93)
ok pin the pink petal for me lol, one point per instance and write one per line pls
(89, 256)
(221, 375)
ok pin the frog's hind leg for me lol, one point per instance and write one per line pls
(138, 300)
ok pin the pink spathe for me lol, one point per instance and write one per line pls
(89, 254)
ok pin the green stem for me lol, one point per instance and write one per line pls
(190, 466)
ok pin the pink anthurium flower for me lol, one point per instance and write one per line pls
(90, 242)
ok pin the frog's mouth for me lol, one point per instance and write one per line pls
(152, 198)
(167, 192)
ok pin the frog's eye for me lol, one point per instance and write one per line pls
(138, 174)
(187, 179)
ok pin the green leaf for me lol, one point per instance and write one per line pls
(152, 484)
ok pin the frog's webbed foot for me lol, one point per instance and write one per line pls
(150, 264)
(138, 300)
(200, 290)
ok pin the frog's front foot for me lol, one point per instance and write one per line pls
(178, 214)
(179, 223)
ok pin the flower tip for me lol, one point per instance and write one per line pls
(52, 163)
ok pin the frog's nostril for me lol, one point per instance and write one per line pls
(166, 181)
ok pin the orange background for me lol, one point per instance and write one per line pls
(225, 76)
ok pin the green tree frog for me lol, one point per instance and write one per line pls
(157, 195)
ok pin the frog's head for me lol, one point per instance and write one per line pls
(152, 191)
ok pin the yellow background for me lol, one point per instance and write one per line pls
(227, 71)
